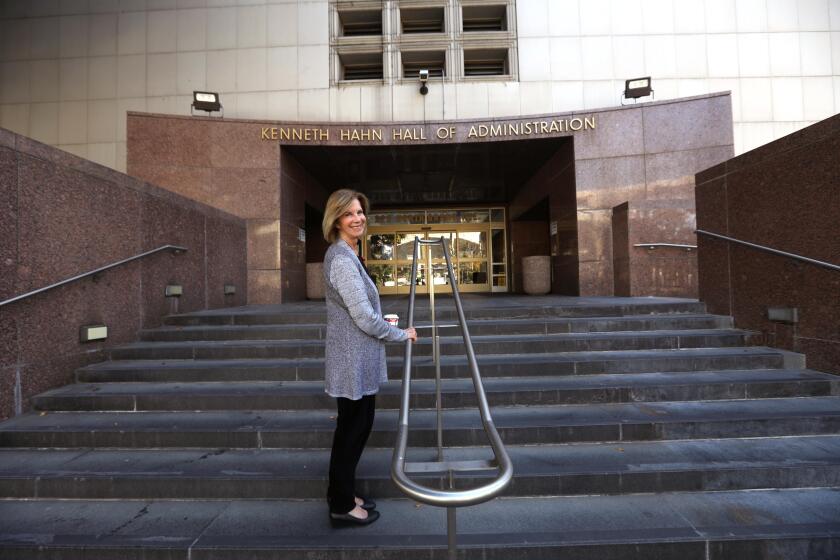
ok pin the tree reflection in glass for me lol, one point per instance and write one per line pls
(380, 247)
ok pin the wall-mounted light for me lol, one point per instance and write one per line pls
(206, 101)
(637, 87)
(92, 333)
(788, 315)
(174, 290)
(230, 289)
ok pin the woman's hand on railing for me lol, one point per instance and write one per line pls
(411, 333)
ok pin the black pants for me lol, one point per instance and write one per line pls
(353, 425)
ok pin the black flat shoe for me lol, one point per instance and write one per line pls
(368, 505)
(347, 520)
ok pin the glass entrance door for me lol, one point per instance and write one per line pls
(472, 236)
(389, 259)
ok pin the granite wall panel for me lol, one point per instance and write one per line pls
(782, 195)
(604, 183)
(113, 299)
(8, 222)
(226, 242)
(617, 134)
(171, 142)
(264, 286)
(8, 337)
(72, 216)
(191, 182)
(621, 249)
(238, 145)
(528, 238)
(596, 278)
(63, 230)
(670, 175)
(247, 193)
(264, 244)
(297, 189)
(164, 224)
(595, 235)
(678, 125)
(8, 383)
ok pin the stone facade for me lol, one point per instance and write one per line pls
(645, 154)
(783, 195)
(60, 216)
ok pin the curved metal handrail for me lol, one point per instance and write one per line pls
(670, 245)
(420, 492)
(770, 250)
(174, 248)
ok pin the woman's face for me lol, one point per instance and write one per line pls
(351, 224)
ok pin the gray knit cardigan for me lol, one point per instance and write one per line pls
(356, 331)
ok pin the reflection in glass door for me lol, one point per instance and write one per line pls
(477, 247)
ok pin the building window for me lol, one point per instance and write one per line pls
(485, 18)
(354, 23)
(422, 20)
(485, 62)
(361, 66)
(433, 61)
(392, 41)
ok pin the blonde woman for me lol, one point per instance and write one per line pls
(355, 351)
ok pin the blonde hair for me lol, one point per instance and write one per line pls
(337, 204)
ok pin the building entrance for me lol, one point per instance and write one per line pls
(477, 241)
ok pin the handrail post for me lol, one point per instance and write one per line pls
(449, 498)
(430, 283)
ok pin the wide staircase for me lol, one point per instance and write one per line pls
(638, 428)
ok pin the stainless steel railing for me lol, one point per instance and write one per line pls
(174, 248)
(794, 256)
(400, 468)
(653, 246)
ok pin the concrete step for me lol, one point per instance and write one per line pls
(501, 391)
(516, 425)
(450, 345)
(572, 469)
(476, 327)
(793, 524)
(491, 365)
(487, 308)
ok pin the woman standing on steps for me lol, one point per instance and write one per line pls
(355, 351)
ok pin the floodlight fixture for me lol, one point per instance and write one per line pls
(206, 101)
(637, 87)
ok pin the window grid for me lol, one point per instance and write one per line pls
(456, 40)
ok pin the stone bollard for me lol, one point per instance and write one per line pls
(315, 280)
(536, 275)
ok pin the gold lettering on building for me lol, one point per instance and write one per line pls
(414, 134)
(409, 134)
(446, 132)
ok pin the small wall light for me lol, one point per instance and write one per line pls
(206, 101)
(91, 333)
(174, 290)
(788, 315)
(230, 289)
(637, 87)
